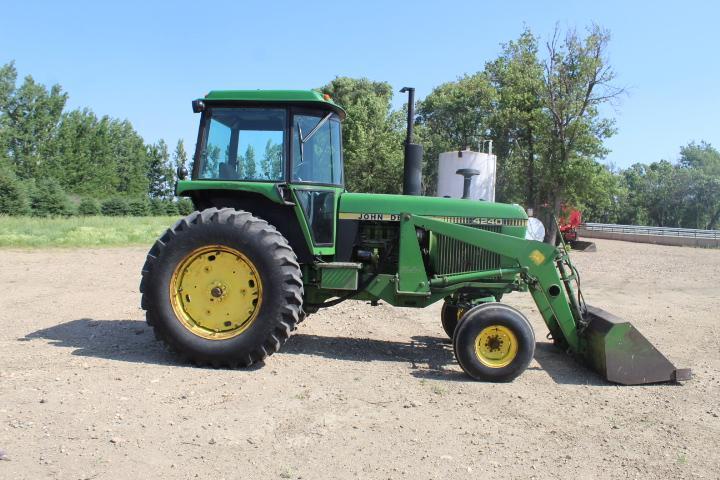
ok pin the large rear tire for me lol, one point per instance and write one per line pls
(222, 288)
(494, 343)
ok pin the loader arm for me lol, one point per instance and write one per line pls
(538, 263)
(611, 346)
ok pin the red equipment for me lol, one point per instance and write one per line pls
(569, 223)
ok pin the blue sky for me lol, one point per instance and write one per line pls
(145, 61)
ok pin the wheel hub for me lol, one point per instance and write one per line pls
(216, 292)
(496, 346)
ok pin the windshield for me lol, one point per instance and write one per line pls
(243, 144)
(317, 152)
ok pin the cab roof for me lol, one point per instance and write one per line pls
(300, 97)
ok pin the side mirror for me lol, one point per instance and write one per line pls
(182, 172)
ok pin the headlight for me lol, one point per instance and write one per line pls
(535, 230)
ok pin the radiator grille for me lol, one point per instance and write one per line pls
(454, 256)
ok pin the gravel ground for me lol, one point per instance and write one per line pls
(358, 392)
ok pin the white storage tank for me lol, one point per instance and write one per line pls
(450, 184)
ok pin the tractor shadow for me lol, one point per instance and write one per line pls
(564, 368)
(124, 340)
(432, 358)
(427, 357)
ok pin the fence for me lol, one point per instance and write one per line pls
(658, 235)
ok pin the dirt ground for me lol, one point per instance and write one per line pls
(358, 392)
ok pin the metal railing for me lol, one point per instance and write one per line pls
(644, 230)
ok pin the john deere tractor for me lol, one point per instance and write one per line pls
(275, 236)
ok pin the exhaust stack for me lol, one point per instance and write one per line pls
(412, 169)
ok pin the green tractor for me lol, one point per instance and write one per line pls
(275, 236)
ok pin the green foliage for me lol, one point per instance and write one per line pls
(180, 156)
(272, 161)
(519, 125)
(157, 207)
(164, 206)
(249, 162)
(542, 114)
(48, 199)
(683, 195)
(30, 115)
(185, 206)
(455, 115)
(539, 106)
(372, 135)
(138, 207)
(171, 208)
(88, 207)
(115, 207)
(98, 157)
(160, 171)
(13, 197)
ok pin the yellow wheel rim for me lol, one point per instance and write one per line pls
(216, 292)
(496, 346)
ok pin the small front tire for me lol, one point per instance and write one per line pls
(450, 316)
(494, 343)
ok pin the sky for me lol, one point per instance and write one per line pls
(145, 61)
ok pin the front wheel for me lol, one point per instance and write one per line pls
(222, 288)
(450, 316)
(494, 343)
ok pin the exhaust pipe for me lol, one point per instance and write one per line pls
(412, 169)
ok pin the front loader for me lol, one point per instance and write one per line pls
(275, 236)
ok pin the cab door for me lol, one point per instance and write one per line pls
(316, 179)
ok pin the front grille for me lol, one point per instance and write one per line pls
(454, 256)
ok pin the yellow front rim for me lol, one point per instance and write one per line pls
(496, 346)
(216, 292)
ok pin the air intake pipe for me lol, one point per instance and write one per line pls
(412, 169)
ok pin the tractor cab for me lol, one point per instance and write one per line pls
(269, 150)
(269, 136)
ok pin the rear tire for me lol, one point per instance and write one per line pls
(261, 253)
(494, 343)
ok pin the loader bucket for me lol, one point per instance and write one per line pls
(621, 354)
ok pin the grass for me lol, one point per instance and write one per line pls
(33, 232)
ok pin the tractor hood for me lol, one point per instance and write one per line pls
(366, 206)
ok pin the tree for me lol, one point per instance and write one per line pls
(8, 77)
(577, 80)
(138, 207)
(13, 198)
(372, 141)
(180, 156)
(249, 161)
(115, 207)
(704, 162)
(30, 117)
(455, 115)
(89, 206)
(49, 199)
(272, 161)
(160, 172)
(519, 123)
(98, 157)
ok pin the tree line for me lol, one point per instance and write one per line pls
(539, 101)
(57, 162)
